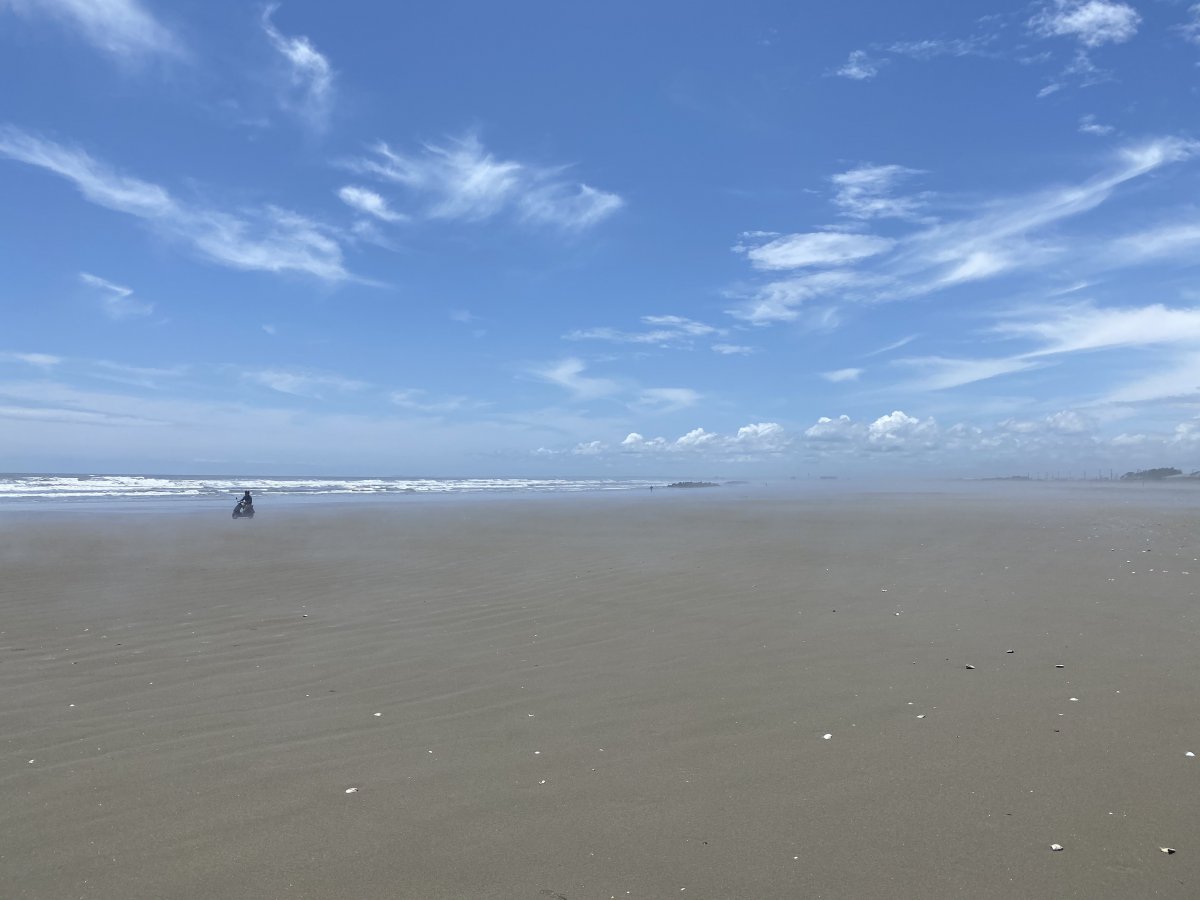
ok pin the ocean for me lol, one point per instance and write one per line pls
(60, 489)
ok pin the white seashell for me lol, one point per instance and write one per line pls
(827, 736)
(1059, 666)
(1074, 699)
(351, 790)
(1056, 846)
(1167, 850)
(921, 716)
(1189, 753)
(970, 667)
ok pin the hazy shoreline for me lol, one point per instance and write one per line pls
(607, 694)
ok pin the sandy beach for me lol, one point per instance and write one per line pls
(705, 694)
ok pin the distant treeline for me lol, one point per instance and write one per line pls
(1151, 474)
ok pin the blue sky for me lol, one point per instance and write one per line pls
(671, 237)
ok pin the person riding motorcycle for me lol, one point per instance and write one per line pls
(247, 502)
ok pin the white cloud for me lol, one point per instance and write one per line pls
(821, 248)
(1080, 327)
(1179, 241)
(590, 448)
(71, 416)
(900, 431)
(839, 430)
(667, 399)
(839, 375)
(568, 374)
(41, 360)
(96, 181)
(310, 76)
(1062, 422)
(1191, 28)
(269, 239)
(929, 49)
(733, 349)
(1091, 22)
(666, 331)
(866, 193)
(1089, 125)
(894, 345)
(860, 66)
(754, 441)
(1181, 379)
(573, 207)
(369, 202)
(123, 29)
(940, 373)
(116, 300)
(461, 180)
(141, 376)
(999, 237)
(419, 400)
(302, 384)
(895, 432)
(781, 301)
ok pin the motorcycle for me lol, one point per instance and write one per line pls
(243, 510)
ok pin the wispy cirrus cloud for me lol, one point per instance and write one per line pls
(122, 29)
(1057, 332)
(302, 382)
(666, 399)
(1084, 326)
(838, 376)
(116, 300)
(894, 345)
(422, 401)
(462, 180)
(664, 331)
(863, 65)
(309, 85)
(1190, 28)
(370, 203)
(936, 373)
(931, 48)
(820, 248)
(998, 237)
(568, 374)
(40, 360)
(867, 192)
(269, 239)
(733, 349)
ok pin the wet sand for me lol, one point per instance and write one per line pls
(606, 697)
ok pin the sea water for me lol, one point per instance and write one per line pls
(57, 489)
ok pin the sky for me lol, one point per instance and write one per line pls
(679, 237)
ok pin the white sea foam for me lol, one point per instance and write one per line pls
(123, 487)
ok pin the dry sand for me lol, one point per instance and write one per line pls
(596, 697)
